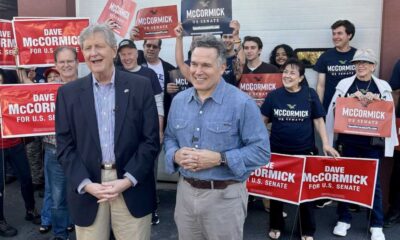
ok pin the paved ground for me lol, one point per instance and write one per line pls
(255, 227)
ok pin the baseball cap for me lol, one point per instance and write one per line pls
(48, 71)
(365, 55)
(126, 43)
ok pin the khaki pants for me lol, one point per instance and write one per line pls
(210, 214)
(116, 215)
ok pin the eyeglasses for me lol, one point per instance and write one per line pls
(151, 46)
(69, 62)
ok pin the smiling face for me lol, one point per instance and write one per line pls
(205, 70)
(128, 57)
(291, 78)
(340, 38)
(281, 56)
(251, 50)
(364, 70)
(99, 56)
(53, 77)
(227, 39)
(67, 65)
(151, 50)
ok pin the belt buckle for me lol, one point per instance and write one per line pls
(108, 166)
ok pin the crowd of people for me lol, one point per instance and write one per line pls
(100, 169)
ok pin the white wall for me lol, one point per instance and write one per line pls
(301, 24)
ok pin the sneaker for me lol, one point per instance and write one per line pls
(33, 216)
(323, 203)
(377, 233)
(44, 229)
(7, 230)
(341, 229)
(154, 218)
(71, 228)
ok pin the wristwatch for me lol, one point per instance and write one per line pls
(223, 159)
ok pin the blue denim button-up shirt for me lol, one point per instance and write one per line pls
(229, 121)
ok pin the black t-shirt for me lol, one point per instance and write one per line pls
(336, 66)
(351, 139)
(292, 116)
(263, 68)
(229, 74)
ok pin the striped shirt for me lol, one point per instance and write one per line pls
(104, 99)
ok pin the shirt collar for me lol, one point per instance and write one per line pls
(217, 95)
(96, 83)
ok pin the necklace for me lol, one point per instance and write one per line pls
(364, 91)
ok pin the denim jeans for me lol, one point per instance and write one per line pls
(377, 209)
(57, 183)
(47, 203)
(16, 156)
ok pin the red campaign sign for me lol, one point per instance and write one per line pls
(121, 11)
(37, 38)
(398, 133)
(374, 119)
(343, 179)
(27, 109)
(259, 85)
(7, 44)
(157, 22)
(280, 179)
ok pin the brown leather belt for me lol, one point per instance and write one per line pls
(203, 184)
(108, 166)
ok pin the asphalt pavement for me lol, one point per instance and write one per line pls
(255, 226)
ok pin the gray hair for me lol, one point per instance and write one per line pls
(103, 28)
(65, 48)
(210, 41)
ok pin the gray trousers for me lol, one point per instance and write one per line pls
(210, 214)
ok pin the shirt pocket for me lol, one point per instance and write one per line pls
(219, 135)
(180, 127)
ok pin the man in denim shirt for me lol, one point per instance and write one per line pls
(215, 138)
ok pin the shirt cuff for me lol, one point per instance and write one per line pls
(131, 178)
(234, 160)
(170, 166)
(81, 187)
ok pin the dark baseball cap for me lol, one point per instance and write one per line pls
(126, 43)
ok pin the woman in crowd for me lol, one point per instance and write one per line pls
(298, 130)
(367, 88)
(280, 54)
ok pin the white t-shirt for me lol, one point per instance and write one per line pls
(158, 68)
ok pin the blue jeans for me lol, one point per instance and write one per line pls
(377, 208)
(57, 185)
(47, 203)
(16, 156)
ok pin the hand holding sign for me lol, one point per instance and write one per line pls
(330, 151)
(179, 31)
(134, 33)
(235, 25)
(112, 24)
